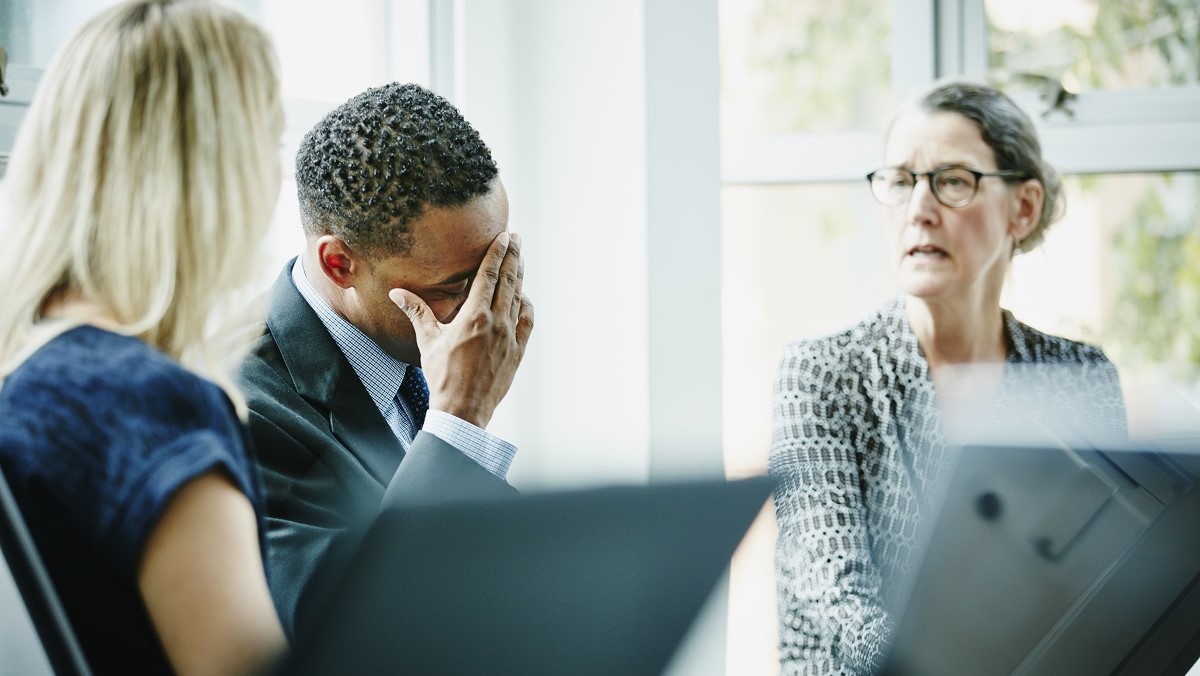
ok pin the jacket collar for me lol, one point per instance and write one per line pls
(1016, 334)
(322, 375)
(314, 361)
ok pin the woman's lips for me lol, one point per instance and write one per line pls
(927, 251)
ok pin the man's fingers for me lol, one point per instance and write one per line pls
(512, 272)
(514, 310)
(484, 287)
(524, 322)
(417, 311)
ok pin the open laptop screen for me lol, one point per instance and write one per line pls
(597, 581)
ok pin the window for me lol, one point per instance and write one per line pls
(1095, 45)
(797, 67)
(1122, 270)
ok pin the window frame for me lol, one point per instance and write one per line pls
(1122, 131)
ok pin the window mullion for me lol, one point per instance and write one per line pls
(914, 54)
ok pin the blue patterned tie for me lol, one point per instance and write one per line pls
(415, 393)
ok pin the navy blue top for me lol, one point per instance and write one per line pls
(97, 432)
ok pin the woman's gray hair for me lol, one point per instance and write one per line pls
(1010, 134)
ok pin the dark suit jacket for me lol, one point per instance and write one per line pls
(328, 458)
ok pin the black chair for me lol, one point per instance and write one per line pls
(33, 583)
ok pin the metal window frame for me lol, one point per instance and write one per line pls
(1126, 131)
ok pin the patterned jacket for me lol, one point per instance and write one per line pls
(858, 445)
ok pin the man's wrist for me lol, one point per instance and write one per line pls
(473, 415)
(491, 452)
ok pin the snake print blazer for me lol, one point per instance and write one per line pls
(858, 443)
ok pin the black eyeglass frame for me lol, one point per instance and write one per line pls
(916, 176)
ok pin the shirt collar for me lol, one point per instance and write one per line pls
(379, 372)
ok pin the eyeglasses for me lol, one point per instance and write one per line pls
(952, 185)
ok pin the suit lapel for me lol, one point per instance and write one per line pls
(357, 423)
(322, 376)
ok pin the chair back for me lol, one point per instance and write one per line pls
(32, 582)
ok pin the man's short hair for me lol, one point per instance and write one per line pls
(373, 165)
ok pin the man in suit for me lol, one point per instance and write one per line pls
(391, 339)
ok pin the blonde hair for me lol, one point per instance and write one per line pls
(146, 168)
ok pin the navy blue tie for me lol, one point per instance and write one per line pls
(415, 393)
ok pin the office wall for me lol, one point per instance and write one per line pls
(573, 160)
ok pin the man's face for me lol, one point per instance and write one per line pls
(448, 248)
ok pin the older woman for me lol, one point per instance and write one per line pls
(145, 171)
(859, 431)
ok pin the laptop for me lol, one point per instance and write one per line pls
(1058, 557)
(593, 581)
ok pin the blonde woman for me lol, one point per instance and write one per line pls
(146, 168)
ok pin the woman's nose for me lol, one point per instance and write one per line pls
(922, 205)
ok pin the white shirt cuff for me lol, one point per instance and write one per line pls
(491, 452)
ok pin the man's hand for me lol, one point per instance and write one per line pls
(470, 362)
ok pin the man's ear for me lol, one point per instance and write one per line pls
(338, 262)
(1028, 200)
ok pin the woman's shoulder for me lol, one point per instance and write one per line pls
(849, 345)
(1035, 346)
(843, 360)
(113, 373)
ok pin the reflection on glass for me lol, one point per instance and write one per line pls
(791, 67)
(1095, 44)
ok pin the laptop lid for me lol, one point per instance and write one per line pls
(1058, 558)
(596, 581)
